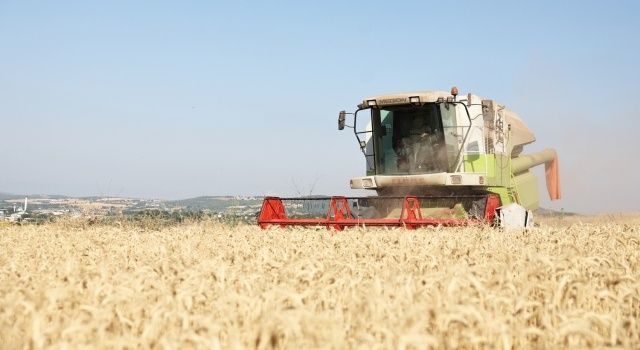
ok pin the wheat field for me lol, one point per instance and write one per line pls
(209, 285)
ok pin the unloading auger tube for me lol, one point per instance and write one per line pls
(431, 159)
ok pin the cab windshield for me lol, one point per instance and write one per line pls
(414, 139)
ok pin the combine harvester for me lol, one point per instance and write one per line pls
(433, 160)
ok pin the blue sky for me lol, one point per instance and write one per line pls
(179, 99)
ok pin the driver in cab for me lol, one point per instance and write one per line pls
(417, 150)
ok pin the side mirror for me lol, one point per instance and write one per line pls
(342, 117)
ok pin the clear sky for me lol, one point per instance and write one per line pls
(178, 99)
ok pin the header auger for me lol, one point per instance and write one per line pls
(433, 160)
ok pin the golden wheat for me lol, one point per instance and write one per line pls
(207, 285)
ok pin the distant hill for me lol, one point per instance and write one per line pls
(5, 196)
(551, 212)
(213, 203)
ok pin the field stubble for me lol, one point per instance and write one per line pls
(204, 284)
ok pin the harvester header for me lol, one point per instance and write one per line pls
(434, 151)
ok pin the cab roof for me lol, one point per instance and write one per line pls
(403, 97)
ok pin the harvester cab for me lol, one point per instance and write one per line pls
(432, 159)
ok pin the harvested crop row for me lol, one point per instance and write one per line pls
(209, 285)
